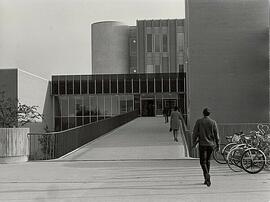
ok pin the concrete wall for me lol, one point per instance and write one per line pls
(110, 53)
(34, 90)
(228, 59)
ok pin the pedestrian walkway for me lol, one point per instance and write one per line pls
(142, 138)
(128, 181)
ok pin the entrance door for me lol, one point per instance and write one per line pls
(170, 103)
(148, 107)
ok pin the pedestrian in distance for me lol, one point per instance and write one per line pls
(176, 123)
(205, 133)
(166, 114)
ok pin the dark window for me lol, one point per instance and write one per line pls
(128, 84)
(57, 124)
(121, 84)
(55, 85)
(92, 85)
(158, 84)
(64, 123)
(113, 83)
(148, 23)
(173, 83)
(71, 122)
(106, 84)
(151, 83)
(165, 43)
(143, 83)
(165, 64)
(149, 42)
(57, 107)
(136, 84)
(79, 121)
(137, 102)
(84, 84)
(93, 119)
(62, 84)
(156, 23)
(164, 23)
(98, 83)
(77, 87)
(69, 84)
(165, 83)
(86, 120)
(181, 85)
(157, 43)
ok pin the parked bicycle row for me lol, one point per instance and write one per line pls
(246, 151)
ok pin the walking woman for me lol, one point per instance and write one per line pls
(176, 123)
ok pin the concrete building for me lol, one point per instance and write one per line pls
(228, 63)
(31, 90)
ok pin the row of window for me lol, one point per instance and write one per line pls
(130, 83)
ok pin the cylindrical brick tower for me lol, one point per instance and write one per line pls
(110, 48)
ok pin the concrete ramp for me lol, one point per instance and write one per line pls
(142, 138)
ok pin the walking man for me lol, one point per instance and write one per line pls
(205, 133)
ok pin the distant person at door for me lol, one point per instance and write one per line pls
(176, 123)
(205, 133)
(166, 114)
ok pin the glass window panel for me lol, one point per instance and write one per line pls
(165, 83)
(57, 106)
(165, 64)
(86, 110)
(108, 109)
(157, 43)
(136, 88)
(93, 105)
(79, 106)
(86, 120)
(98, 83)
(143, 83)
(79, 121)
(71, 106)
(57, 124)
(93, 119)
(151, 83)
(71, 123)
(84, 82)
(113, 83)
(69, 84)
(158, 84)
(156, 23)
(92, 85)
(180, 42)
(181, 84)
(115, 105)
(165, 43)
(123, 104)
(130, 103)
(159, 107)
(106, 84)
(100, 105)
(149, 42)
(64, 105)
(77, 86)
(62, 84)
(55, 85)
(121, 84)
(128, 84)
(173, 83)
(64, 123)
(164, 23)
(137, 102)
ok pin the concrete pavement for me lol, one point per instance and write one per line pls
(136, 162)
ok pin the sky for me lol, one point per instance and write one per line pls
(48, 37)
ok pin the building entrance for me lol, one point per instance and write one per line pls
(170, 103)
(148, 107)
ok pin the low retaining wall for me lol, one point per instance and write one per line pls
(14, 145)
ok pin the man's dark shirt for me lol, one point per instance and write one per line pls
(206, 132)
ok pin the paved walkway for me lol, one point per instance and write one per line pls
(136, 162)
(142, 138)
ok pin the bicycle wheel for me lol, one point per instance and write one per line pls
(225, 151)
(267, 155)
(253, 160)
(218, 156)
(234, 159)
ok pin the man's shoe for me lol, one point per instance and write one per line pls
(176, 139)
(208, 181)
(205, 182)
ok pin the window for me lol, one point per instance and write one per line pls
(55, 85)
(180, 42)
(158, 84)
(77, 87)
(121, 84)
(92, 85)
(106, 84)
(149, 42)
(69, 84)
(62, 84)
(98, 83)
(113, 83)
(150, 83)
(165, 43)
(165, 64)
(84, 84)
(157, 43)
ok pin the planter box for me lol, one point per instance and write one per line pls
(14, 145)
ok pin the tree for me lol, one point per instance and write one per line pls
(15, 114)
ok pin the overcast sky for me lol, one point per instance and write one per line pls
(48, 37)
